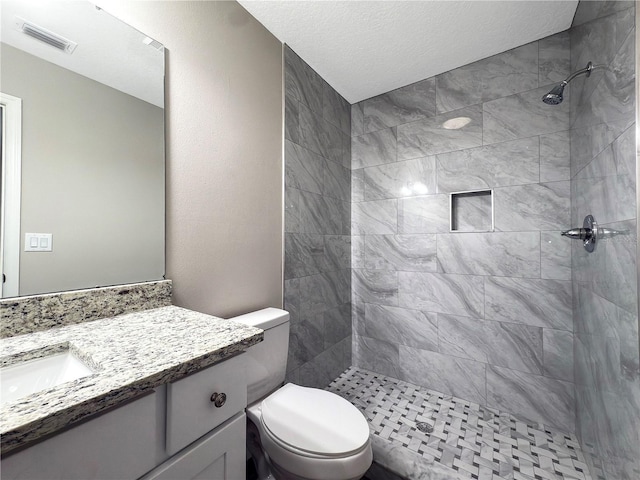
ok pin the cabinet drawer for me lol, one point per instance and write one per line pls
(190, 411)
(219, 455)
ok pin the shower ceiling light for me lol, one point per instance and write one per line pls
(456, 123)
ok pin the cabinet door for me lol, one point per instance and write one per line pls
(219, 455)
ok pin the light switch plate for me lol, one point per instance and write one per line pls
(38, 242)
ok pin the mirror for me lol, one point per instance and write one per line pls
(82, 198)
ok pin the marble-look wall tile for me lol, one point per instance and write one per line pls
(613, 97)
(320, 214)
(513, 71)
(375, 286)
(304, 169)
(544, 206)
(454, 294)
(593, 314)
(598, 42)
(337, 324)
(337, 252)
(518, 347)
(620, 284)
(539, 303)
(292, 120)
(337, 182)
(504, 254)
(428, 214)
(412, 328)
(302, 83)
(357, 119)
(605, 187)
(522, 115)
(292, 212)
(320, 136)
(377, 217)
(322, 369)
(597, 362)
(592, 10)
(376, 148)
(335, 109)
(401, 252)
(305, 341)
(609, 199)
(346, 151)
(357, 316)
(557, 362)
(555, 157)
(317, 250)
(304, 254)
(320, 292)
(455, 376)
(508, 163)
(357, 251)
(589, 141)
(519, 392)
(554, 58)
(431, 136)
(401, 179)
(403, 105)
(378, 356)
(555, 256)
(291, 300)
(357, 185)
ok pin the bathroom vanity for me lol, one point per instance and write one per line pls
(166, 399)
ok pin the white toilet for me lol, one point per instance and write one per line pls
(294, 432)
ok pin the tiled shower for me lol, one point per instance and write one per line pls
(503, 311)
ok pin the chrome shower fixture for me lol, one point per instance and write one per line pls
(554, 97)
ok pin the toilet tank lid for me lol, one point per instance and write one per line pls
(315, 421)
(265, 319)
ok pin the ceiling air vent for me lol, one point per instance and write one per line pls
(46, 36)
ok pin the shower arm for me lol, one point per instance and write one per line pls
(590, 66)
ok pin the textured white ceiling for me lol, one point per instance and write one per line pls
(365, 48)
(109, 51)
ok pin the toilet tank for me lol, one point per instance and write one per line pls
(267, 360)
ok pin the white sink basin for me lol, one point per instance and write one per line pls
(25, 378)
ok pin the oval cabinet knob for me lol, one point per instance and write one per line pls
(218, 399)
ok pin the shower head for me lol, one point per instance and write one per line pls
(554, 97)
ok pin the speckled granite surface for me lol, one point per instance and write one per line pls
(132, 353)
(40, 312)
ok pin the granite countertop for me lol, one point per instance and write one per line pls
(131, 354)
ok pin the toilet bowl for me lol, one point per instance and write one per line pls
(311, 434)
(295, 432)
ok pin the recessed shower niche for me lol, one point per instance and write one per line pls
(471, 211)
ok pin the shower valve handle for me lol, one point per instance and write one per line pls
(588, 233)
(578, 233)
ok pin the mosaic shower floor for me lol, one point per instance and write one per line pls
(475, 441)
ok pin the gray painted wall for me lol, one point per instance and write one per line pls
(317, 224)
(485, 316)
(98, 188)
(603, 183)
(224, 114)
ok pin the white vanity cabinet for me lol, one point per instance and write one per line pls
(122, 443)
(206, 440)
(178, 432)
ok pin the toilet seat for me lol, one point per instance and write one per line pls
(313, 422)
